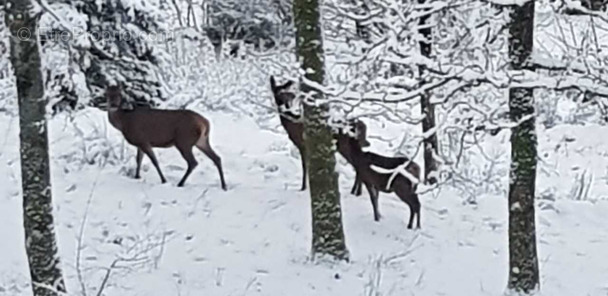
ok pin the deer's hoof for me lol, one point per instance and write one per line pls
(136, 177)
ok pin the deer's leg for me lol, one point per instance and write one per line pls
(359, 187)
(190, 160)
(373, 196)
(304, 169)
(408, 195)
(356, 190)
(138, 159)
(416, 204)
(417, 209)
(148, 151)
(206, 148)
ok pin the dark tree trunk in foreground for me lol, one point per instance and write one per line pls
(596, 5)
(40, 242)
(523, 261)
(327, 230)
(428, 110)
(362, 31)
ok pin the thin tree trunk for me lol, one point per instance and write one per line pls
(193, 14)
(427, 109)
(40, 241)
(362, 31)
(595, 5)
(328, 234)
(523, 260)
(188, 15)
(179, 13)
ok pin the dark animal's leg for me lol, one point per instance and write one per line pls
(356, 185)
(408, 196)
(217, 161)
(189, 157)
(417, 209)
(148, 151)
(304, 172)
(373, 196)
(138, 159)
(358, 188)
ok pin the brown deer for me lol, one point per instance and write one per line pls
(291, 122)
(375, 181)
(343, 146)
(146, 128)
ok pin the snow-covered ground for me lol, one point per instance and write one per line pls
(255, 238)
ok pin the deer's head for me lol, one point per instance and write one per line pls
(283, 96)
(113, 97)
(356, 129)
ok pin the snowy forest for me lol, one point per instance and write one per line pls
(303, 147)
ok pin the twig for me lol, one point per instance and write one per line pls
(81, 234)
(107, 276)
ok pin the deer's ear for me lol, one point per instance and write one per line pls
(287, 84)
(273, 83)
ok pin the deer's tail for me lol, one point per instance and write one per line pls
(204, 127)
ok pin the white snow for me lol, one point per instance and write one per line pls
(140, 237)
(255, 238)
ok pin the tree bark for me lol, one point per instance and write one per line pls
(427, 109)
(595, 5)
(361, 30)
(178, 11)
(40, 241)
(327, 230)
(523, 260)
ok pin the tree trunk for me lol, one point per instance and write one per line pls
(40, 242)
(427, 109)
(178, 11)
(595, 5)
(361, 30)
(327, 230)
(523, 261)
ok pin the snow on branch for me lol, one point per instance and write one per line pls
(576, 8)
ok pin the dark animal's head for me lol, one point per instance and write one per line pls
(113, 97)
(354, 130)
(283, 96)
(358, 129)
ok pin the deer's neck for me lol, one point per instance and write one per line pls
(116, 119)
(355, 150)
(343, 143)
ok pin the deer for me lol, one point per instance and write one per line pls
(342, 145)
(292, 123)
(147, 128)
(376, 182)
